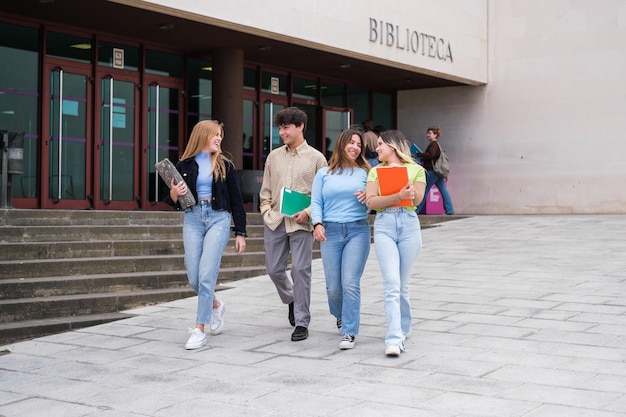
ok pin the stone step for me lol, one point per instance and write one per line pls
(115, 264)
(81, 249)
(13, 234)
(26, 217)
(12, 289)
(28, 329)
(84, 304)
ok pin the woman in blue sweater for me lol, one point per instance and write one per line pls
(340, 224)
(213, 181)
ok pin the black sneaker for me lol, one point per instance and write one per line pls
(292, 319)
(301, 333)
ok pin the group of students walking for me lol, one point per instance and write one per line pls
(343, 191)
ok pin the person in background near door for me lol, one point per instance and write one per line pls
(369, 138)
(429, 156)
(397, 234)
(293, 165)
(213, 180)
(340, 224)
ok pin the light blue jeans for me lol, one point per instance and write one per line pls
(344, 255)
(397, 241)
(433, 179)
(205, 236)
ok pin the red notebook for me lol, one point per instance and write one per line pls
(393, 179)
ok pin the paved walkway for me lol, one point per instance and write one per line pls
(513, 316)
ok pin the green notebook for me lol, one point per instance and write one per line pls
(292, 201)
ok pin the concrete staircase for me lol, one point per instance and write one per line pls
(63, 269)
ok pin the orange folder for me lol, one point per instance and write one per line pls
(393, 179)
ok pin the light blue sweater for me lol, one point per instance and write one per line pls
(333, 199)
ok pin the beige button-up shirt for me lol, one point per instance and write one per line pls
(294, 170)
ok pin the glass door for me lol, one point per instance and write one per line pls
(116, 186)
(66, 167)
(271, 139)
(164, 137)
(335, 120)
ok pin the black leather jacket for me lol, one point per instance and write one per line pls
(226, 194)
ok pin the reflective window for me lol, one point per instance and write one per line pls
(19, 96)
(332, 95)
(304, 88)
(200, 91)
(358, 100)
(383, 110)
(74, 48)
(249, 78)
(109, 56)
(163, 63)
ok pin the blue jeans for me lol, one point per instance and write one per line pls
(344, 255)
(433, 179)
(397, 241)
(205, 236)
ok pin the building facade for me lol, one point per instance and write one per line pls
(104, 89)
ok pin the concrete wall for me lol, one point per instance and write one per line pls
(547, 134)
(434, 28)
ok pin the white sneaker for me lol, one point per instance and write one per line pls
(217, 319)
(392, 350)
(347, 342)
(196, 340)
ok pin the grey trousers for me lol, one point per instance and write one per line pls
(278, 244)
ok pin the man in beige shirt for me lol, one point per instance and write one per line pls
(293, 165)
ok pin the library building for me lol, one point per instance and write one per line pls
(529, 95)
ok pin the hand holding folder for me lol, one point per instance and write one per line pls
(393, 179)
(292, 202)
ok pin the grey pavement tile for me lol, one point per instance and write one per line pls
(29, 363)
(600, 366)
(504, 356)
(7, 397)
(221, 391)
(479, 405)
(551, 394)
(618, 319)
(618, 406)
(40, 347)
(541, 376)
(95, 356)
(306, 404)
(571, 326)
(34, 407)
(538, 313)
(443, 364)
(588, 304)
(103, 341)
(465, 384)
(379, 374)
(582, 338)
(484, 318)
(204, 408)
(303, 382)
(396, 394)
(608, 383)
(374, 409)
(551, 410)
(493, 330)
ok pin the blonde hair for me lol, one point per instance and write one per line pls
(369, 139)
(202, 132)
(399, 143)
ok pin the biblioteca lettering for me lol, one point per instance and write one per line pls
(388, 34)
